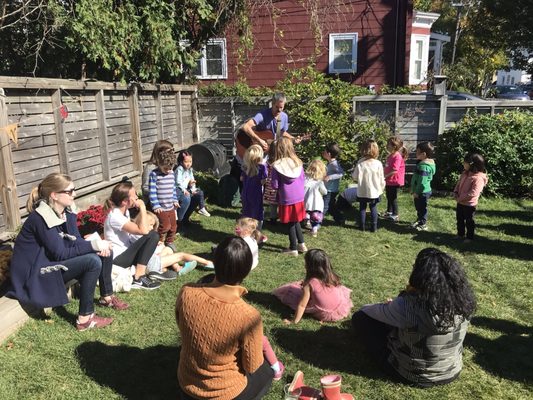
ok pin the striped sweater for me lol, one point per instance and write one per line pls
(162, 190)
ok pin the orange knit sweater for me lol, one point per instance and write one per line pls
(221, 340)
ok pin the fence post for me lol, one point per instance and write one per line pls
(102, 132)
(60, 133)
(135, 128)
(442, 114)
(194, 112)
(179, 119)
(159, 113)
(8, 184)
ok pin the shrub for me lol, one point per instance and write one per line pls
(505, 140)
(91, 220)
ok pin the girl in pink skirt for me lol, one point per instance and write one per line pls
(319, 294)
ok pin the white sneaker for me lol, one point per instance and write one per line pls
(302, 248)
(204, 212)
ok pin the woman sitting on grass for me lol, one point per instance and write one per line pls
(418, 336)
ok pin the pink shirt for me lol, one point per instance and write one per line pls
(395, 162)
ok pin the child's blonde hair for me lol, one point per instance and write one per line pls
(149, 215)
(250, 224)
(316, 170)
(251, 160)
(285, 149)
(369, 149)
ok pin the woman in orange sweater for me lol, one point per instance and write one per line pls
(221, 335)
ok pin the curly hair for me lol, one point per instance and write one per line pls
(440, 283)
(316, 170)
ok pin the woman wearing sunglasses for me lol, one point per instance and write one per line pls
(49, 251)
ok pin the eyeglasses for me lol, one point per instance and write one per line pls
(69, 192)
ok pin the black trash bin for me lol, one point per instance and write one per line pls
(209, 156)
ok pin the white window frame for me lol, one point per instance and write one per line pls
(203, 61)
(353, 36)
(413, 79)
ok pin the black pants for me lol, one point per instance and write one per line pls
(295, 235)
(465, 218)
(392, 199)
(139, 251)
(257, 387)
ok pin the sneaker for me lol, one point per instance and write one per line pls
(422, 227)
(203, 211)
(172, 246)
(210, 266)
(302, 248)
(393, 218)
(278, 375)
(115, 303)
(94, 321)
(385, 214)
(187, 267)
(168, 275)
(145, 283)
(415, 224)
(290, 252)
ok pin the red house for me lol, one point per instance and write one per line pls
(366, 42)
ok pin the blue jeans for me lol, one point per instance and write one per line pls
(329, 203)
(87, 269)
(421, 206)
(373, 204)
(189, 203)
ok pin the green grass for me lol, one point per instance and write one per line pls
(136, 357)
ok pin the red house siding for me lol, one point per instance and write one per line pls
(285, 41)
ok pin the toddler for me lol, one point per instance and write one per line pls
(333, 176)
(394, 175)
(421, 183)
(246, 228)
(314, 192)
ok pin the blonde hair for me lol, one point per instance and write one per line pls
(285, 149)
(149, 215)
(250, 224)
(252, 158)
(316, 170)
(370, 149)
(55, 182)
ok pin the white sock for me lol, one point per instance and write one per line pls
(276, 366)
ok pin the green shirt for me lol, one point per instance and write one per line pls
(421, 180)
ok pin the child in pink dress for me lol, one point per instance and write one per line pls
(319, 294)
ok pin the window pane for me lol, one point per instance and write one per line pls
(343, 47)
(419, 48)
(418, 69)
(213, 51)
(342, 62)
(214, 67)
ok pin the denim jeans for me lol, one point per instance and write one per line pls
(421, 206)
(87, 269)
(188, 204)
(329, 203)
(373, 204)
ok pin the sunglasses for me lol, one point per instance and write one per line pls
(69, 192)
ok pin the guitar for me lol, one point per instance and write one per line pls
(243, 141)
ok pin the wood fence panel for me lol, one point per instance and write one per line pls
(148, 121)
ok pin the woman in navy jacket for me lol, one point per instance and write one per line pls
(49, 251)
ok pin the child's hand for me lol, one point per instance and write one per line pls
(186, 193)
(326, 178)
(388, 301)
(176, 204)
(158, 210)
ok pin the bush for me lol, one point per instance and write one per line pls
(505, 140)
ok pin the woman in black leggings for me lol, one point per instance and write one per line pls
(133, 243)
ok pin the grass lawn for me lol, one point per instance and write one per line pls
(136, 357)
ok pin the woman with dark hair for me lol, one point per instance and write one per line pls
(221, 335)
(418, 336)
(133, 243)
(50, 251)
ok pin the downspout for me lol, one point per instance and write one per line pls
(397, 25)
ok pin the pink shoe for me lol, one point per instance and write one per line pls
(115, 303)
(279, 374)
(94, 321)
(306, 392)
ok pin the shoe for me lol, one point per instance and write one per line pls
(115, 303)
(210, 266)
(187, 267)
(172, 246)
(308, 225)
(290, 252)
(393, 218)
(415, 224)
(278, 375)
(331, 388)
(302, 248)
(94, 321)
(145, 283)
(203, 211)
(422, 227)
(385, 214)
(169, 275)
(297, 386)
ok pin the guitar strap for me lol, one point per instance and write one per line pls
(278, 127)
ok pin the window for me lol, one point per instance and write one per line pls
(419, 48)
(213, 64)
(419, 59)
(342, 53)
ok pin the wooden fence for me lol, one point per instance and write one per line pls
(109, 132)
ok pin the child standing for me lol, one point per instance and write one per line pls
(314, 190)
(246, 228)
(421, 183)
(333, 176)
(288, 178)
(189, 195)
(254, 172)
(370, 179)
(467, 192)
(394, 175)
(270, 194)
(163, 196)
(320, 294)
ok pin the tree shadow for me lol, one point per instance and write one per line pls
(525, 231)
(197, 233)
(228, 213)
(508, 356)
(270, 302)
(337, 350)
(132, 372)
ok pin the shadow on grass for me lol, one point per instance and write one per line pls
(197, 233)
(526, 214)
(335, 349)
(508, 356)
(228, 213)
(132, 372)
(525, 231)
(270, 302)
